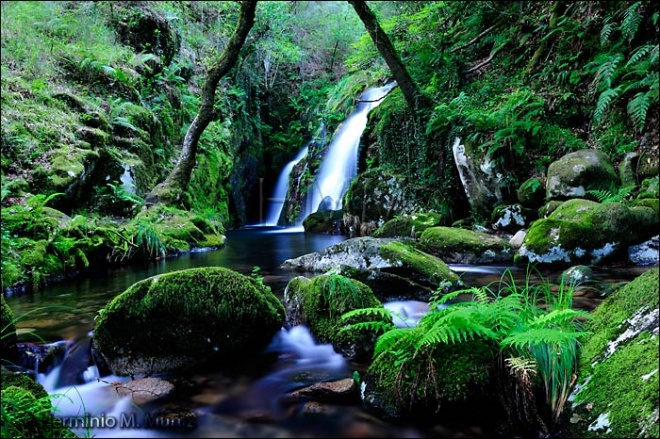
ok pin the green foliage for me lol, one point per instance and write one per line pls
(528, 323)
(613, 195)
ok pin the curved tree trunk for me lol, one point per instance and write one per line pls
(174, 185)
(410, 92)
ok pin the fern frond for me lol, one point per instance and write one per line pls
(604, 102)
(376, 327)
(639, 54)
(631, 21)
(386, 341)
(541, 337)
(637, 108)
(558, 318)
(380, 313)
(605, 33)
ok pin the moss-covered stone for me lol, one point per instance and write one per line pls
(327, 222)
(549, 207)
(456, 245)
(8, 351)
(617, 394)
(409, 225)
(583, 231)
(578, 172)
(531, 193)
(186, 318)
(319, 303)
(428, 384)
(26, 409)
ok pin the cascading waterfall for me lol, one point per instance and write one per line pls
(279, 195)
(339, 166)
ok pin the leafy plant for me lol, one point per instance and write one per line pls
(612, 195)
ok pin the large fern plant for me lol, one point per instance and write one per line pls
(528, 325)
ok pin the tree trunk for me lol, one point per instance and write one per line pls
(176, 182)
(412, 95)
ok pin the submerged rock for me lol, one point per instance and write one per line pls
(183, 319)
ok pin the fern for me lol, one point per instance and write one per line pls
(386, 341)
(611, 195)
(637, 108)
(604, 101)
(631, 21)
(639, 53)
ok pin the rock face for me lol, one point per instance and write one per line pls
(392, 268)
(578, 172)
(186, 318)
(373, 198)
(461, 246)
(583, 231)
(617, 393)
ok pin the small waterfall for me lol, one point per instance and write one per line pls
(279, 195)
(339, 165)
(127, 181)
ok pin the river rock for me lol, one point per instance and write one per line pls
(617, 391)
(462, 246)
(341, 391)
(582, 231)
(511, 218)
(409, 225)
(395, 269)
(646, 253)
(578, 172)
(144, 390)
(186, 318)
(577, 275)
(320, 303)
(531, 193)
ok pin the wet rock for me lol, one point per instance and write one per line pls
(144, 390)
(577, 275)
(342, 391)
(517, 239)
(512, 218)
(409, 225)
(532, 193)
(460, 246)
(646, 253)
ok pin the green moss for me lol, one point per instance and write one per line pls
(621, 305)
(403, 225)
(623, 385)
(427, 382)
(206, 310)
(68, 166)
(327, 297)
(444, 240)
(26, 411)
(532, 192)
(428, 266)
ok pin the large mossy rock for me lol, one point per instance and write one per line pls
(392, 268)
(441, 383)
(578, 172)
(182, 319)
(585, 232)
(617, 393)
(375, 197)
(462, 246)
(329, 222)
(409, 225)
(531, 193)
(319, 304)
(27, 409)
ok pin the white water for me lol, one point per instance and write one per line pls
(97, 402)
(279, 194)
(339, 166)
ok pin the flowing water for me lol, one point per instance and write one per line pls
(339, 166)
(248, 405)
(279, 193)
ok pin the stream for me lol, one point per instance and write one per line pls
(242, 405)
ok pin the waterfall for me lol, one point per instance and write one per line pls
(339, 166)
(279, 195)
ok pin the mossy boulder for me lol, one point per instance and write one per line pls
(585, 232)
(319, 304)
(26, 409)
(531, 193)
(375, 197)
(439, 383)
(8, 351)
(617, 393)
(182, 319)
(394, 269)
(329, 222)
(462, 246)
(409, 225)
(578, 172)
